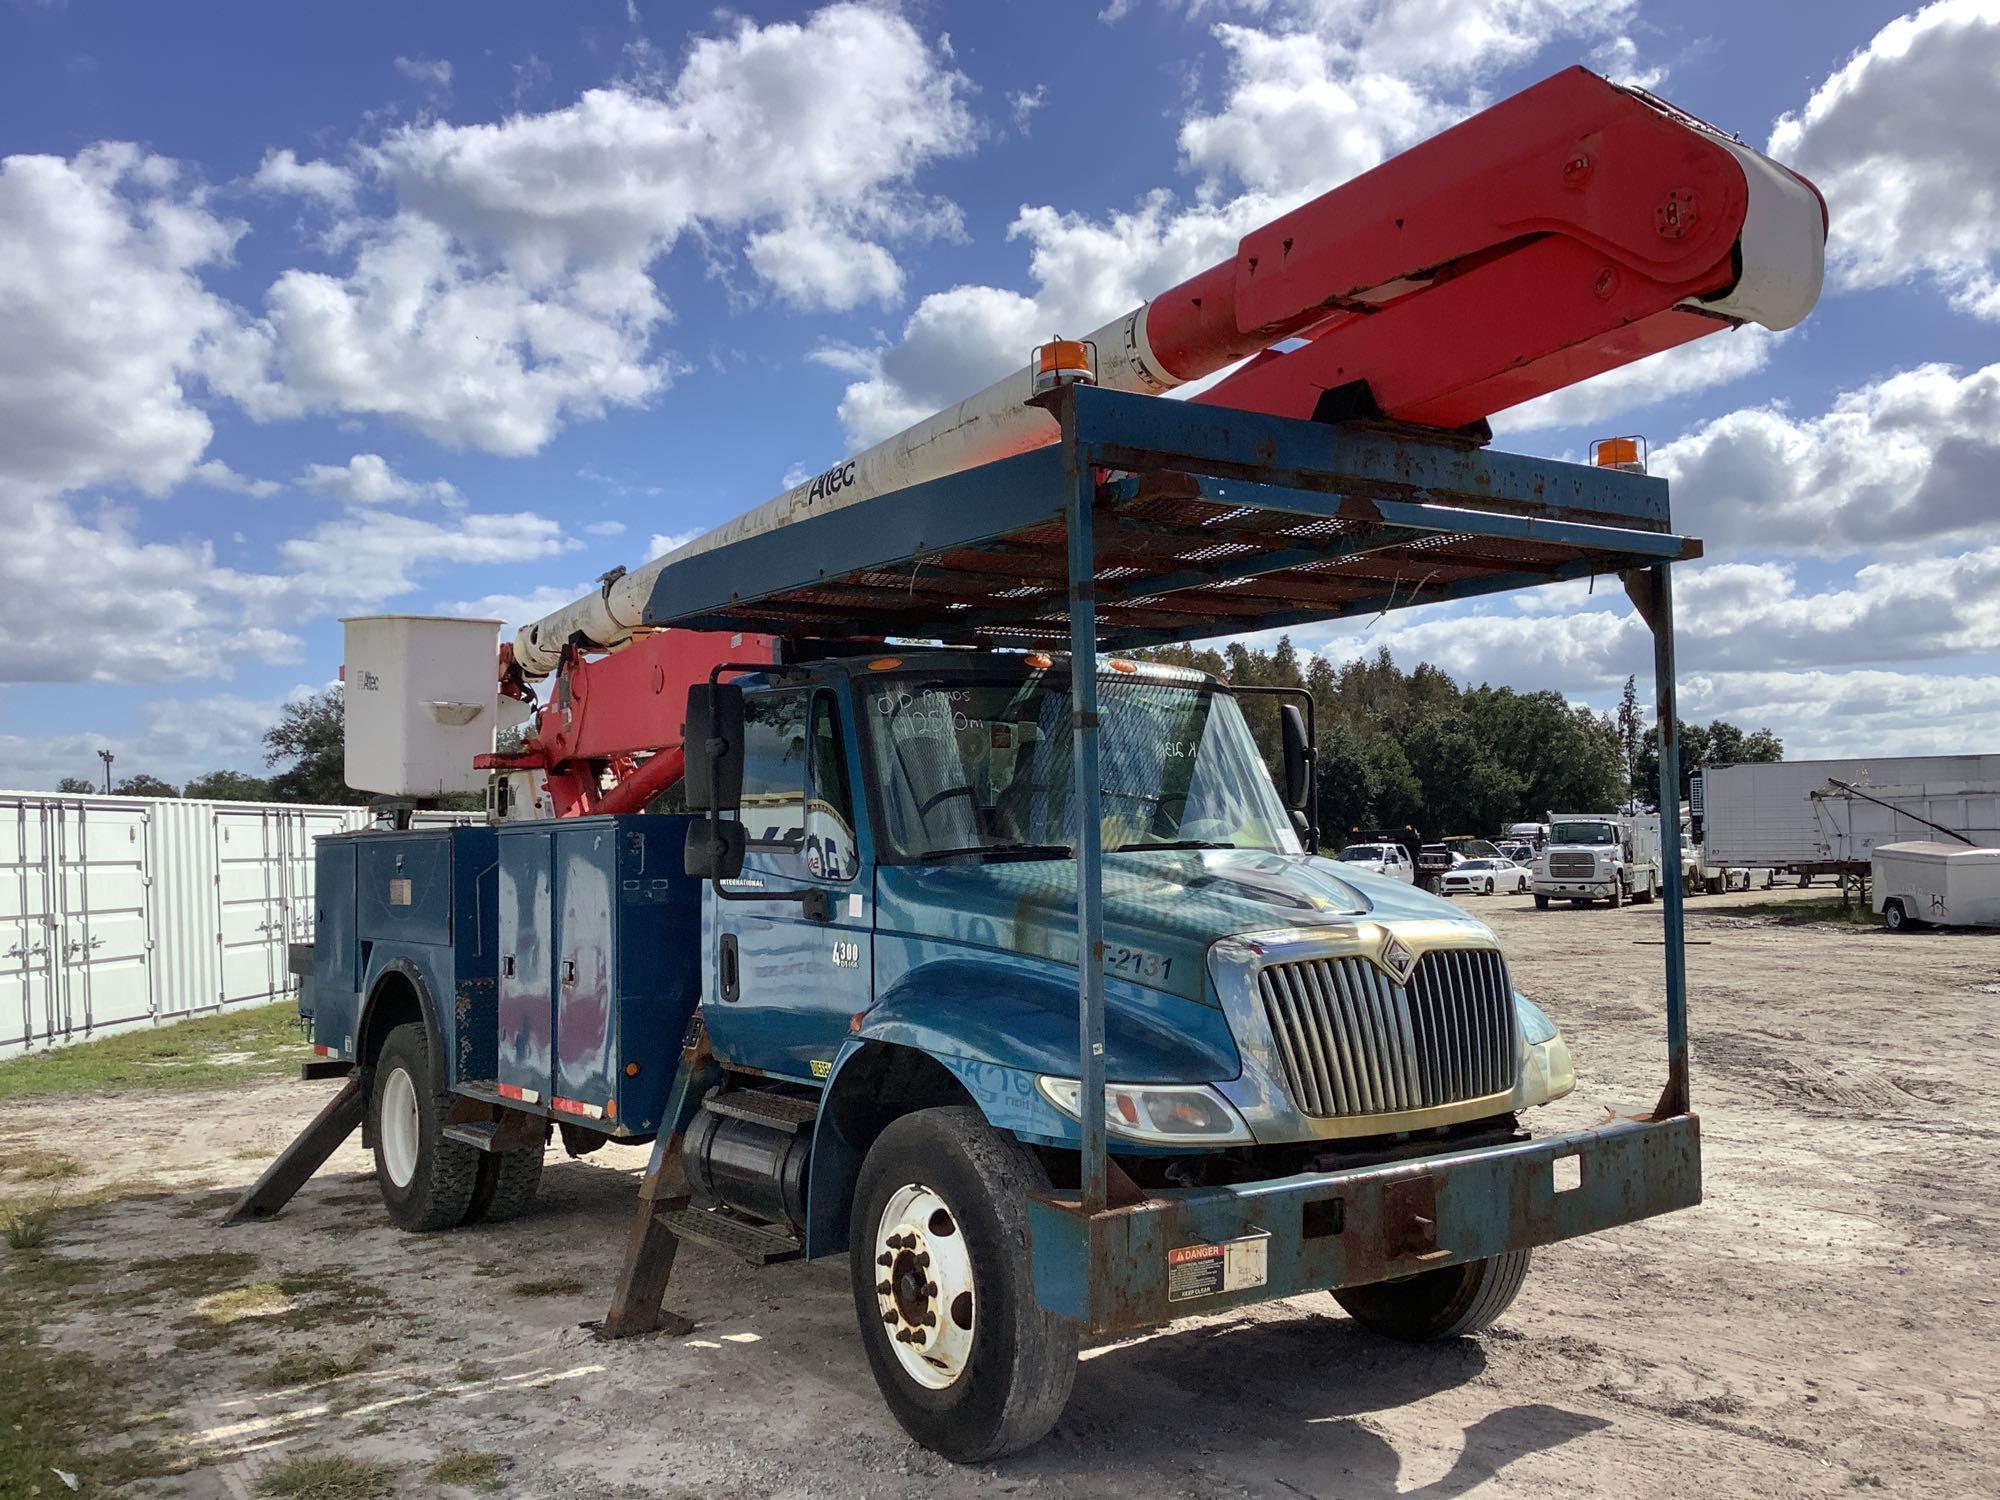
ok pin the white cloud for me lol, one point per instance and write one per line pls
(1024, 102)
(604, 528)
(432, 72)
(105, 397)
(175, 739)
(818, 265)
(1618, 60)
(1713, 360)
(510, 292)
(1907, 458)
(217, 475)
(1827, 714)
(516, 610)
(364, 559)
(322, 181)
(1904, 141)
(367, 479)
(660, 543)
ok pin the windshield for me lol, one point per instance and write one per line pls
(1582, 833)
(975, 763)
(1364, 852)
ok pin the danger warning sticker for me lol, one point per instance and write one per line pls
(1204, 1270)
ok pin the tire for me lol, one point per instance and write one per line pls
(1617, 894)
(508, 1182)
(427, 1183)
(1444, 1304)
(1895, 918)
(1541, 903)
(997, 1372)
(1645, 897)
(1489, 885)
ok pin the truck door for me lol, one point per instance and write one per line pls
(786, 986)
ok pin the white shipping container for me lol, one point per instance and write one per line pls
(1766, 816)
(117, 912)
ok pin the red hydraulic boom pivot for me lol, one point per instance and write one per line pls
(618, 718)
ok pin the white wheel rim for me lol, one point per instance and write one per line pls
(400, 1125)
(923, 1286)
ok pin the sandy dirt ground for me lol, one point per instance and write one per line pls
(1825, 1322)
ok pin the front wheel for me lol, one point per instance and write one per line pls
(1443, 1304)
(1541, 903)
(969, 1362)
(1617, 894)
(1489, 885)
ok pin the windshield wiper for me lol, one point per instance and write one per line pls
(1007, 851)
(1174, 844)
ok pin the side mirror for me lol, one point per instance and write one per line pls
(714, 850)
(1298, 758)
(713, 741)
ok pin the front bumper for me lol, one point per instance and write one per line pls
(1592, 888)
(1118, 1271)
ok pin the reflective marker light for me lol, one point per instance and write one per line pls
(1163, 1114)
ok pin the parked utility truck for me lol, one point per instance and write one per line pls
(1610, 857)
(1004, 966)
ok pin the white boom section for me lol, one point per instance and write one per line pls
(995, 423)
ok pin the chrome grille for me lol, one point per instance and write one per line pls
(1354, 1042)
(1570, 866)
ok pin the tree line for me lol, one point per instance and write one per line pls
(1414, 749)
(1396, 748)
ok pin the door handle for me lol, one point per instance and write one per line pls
(569, 971)
(730, 976)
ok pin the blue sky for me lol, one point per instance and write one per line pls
(326, 310)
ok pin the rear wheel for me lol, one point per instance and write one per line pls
(969, 1362)
(1645, 896)
(508, 1182)
(1443, 1304)
(427, 1182)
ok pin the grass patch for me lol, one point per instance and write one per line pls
(50, 1404)
(261, 1299)
(38, 1271)
(472, 1471)
(547, 1286)
(46, 1166)
(327, 1476)
(25, 1222)
(195, 1275)
(261, 1042)
(311, 1367)
(1795, 913)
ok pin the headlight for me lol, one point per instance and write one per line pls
(1536, 1027)
(1163, 1114)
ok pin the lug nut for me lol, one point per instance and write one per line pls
(885, 1288)
(929, 1318)
(924, 1260)
(889, 1317)
(885, 1260)
(930, 1288)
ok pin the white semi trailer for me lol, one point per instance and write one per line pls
(1826, 817)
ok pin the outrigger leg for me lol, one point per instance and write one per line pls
(306, 1155)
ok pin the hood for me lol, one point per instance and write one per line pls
(1162, 908)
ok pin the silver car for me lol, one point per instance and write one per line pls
(1392, 860)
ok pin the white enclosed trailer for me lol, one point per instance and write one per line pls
(1925, 883)
(1795, 815)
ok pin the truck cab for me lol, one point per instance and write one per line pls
(928, 797)
(1610, 857)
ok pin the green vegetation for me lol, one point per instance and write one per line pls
(50, 1403)
(547, 1286)
(25, 1223)
(207, 1052)
(44, 1166)
(472, 1471)
(311, 1367)
(1796, 913)
(36, 1270)
(196, 1275)
(327, 1476)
